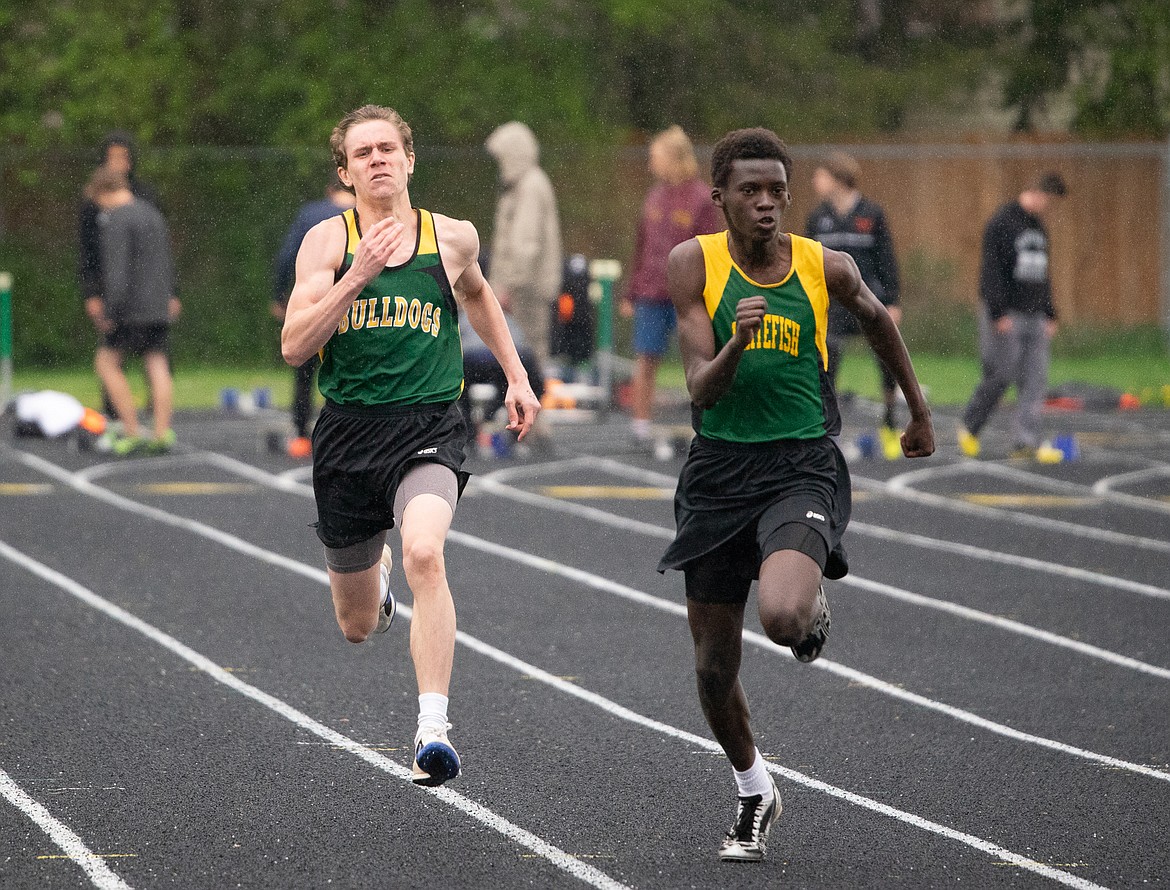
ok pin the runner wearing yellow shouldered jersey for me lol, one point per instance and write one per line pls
(765, 491)
(377, 295)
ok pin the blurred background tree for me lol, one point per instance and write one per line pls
(232, 104)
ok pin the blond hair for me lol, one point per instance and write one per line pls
(361, 116)
(678, 152)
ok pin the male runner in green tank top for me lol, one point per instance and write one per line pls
(765, 491)
(375, 296)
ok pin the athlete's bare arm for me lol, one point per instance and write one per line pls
(846, 286)
(709, 376)
(317, 304)
(459, 247)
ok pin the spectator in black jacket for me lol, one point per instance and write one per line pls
(336, 201)
(848, 221)
(1017, 320)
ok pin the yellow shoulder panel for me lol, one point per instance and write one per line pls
(427, 241)
(808, 262)
(717, 260)
(351, 231)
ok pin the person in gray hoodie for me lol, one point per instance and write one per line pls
(527, 252)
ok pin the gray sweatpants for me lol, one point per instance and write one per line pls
(1018, 357)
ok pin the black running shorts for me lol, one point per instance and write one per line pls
(360, 455)
(139, 339)
(733, 500)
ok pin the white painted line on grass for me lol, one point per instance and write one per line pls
(99, 874)
(554, 855)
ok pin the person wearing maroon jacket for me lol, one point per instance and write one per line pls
(677, 207)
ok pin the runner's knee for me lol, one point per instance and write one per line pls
(422, 559)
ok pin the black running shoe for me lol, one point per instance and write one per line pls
(809, 649)
(747, 841)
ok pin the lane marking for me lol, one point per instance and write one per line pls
(196, 488)
(1036, 501)
(25, 488)
(899, 487)
(850, 674)
(1007, 624)
(573, 866)
(513, 832)
(1128, 500)
(862, 528)
(1102, 486)
(70, 844)
(609, 492)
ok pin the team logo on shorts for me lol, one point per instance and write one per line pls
(428, 451)
(817, 516)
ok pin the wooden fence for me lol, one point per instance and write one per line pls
(1108, 259)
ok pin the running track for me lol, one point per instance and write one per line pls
(180, 710)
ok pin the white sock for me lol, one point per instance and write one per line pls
(754, 780)
(641, 427)
(432, 710)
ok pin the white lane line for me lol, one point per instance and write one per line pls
(999, 514)
(554, 855)
(1019, 475)
(1103, 486)
(99, 874)
(798, 778)
(571, 865)
(596, 582)
(762, 642)
(1007, 624)
(590, 580)
(489, 483)
(134, 464)
(1110, 582)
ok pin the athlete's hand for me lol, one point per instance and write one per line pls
(749, 316)
(918, 440)
(522, 406)
(377, 245)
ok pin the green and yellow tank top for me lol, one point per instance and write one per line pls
(399, 342)
(781, 388)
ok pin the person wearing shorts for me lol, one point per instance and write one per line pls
(135, 309)
(764, 493)
(377, 295)
(677, 207)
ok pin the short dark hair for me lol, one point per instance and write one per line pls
(749, 144)
(1052, 183)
